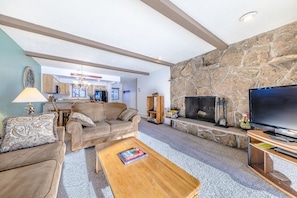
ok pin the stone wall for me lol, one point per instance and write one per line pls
(269, 59)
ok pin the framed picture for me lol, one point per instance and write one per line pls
(115, 93)
(28, 77)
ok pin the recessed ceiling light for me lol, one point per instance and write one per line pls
(248, 16)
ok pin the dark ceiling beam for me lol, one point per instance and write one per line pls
(175, 14)
(30, 27)
(79, 62)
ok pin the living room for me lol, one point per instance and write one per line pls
(263, 60)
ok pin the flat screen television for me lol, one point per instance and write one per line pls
(274, 109)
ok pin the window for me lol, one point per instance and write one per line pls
(115, 93)
(78, 92)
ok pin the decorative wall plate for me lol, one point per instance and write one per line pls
(28, 77)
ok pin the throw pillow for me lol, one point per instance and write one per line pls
(127, 114)
(28, 131)
(84, 120)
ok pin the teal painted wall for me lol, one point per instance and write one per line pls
(12, 64)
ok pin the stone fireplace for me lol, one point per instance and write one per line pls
(269, 59)
(200, 108)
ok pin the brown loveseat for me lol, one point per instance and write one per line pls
(96, 123)
(32, 155)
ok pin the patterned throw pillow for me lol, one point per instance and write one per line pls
(28, 131)
(127, 114)
(84, 120)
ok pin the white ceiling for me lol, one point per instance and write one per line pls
(134, 26)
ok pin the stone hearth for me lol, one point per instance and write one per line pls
(233, 137)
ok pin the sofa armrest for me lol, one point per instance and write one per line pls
(135, 120)
(76, 130)
(73, 126)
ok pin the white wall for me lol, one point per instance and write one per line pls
(129, 93)
(156, 82)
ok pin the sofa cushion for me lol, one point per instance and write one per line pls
(79, 117)
(93, 110)
(127, 114)
(117, 126)
(112, 110)
(36, 180)
(101, 129)
(28, 131)
(24, 157)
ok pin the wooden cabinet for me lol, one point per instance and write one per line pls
(273, 165)
(49, 83)
(155, 109)
(100, 87)
(64, 88)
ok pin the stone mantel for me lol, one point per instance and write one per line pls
(231, 136)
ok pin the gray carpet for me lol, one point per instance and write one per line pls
(221, 170)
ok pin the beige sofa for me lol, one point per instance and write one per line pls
(99, 123)
(33, 169)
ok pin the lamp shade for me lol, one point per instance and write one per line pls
(30, 94)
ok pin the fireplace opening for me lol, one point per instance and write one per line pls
(201, 108)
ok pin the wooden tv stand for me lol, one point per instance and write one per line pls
(277, 168)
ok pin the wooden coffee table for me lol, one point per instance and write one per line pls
(153, 176)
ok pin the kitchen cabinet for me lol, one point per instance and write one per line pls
(52, 85)
(49, 83)
(64, 88)
(100, 87)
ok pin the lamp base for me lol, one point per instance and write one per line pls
(29, 109)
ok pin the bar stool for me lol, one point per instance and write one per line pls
(63, 115)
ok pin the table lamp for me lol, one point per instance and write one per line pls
(30, 94)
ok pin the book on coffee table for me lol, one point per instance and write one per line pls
(130, 155)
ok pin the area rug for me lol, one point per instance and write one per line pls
(222, 170)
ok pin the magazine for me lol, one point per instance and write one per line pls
(131, 155)
(264, 146)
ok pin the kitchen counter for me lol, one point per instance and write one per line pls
(49, 107)
(61, 104)
(64, 109)
(74, 100)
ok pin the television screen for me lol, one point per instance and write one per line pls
(274, 107)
